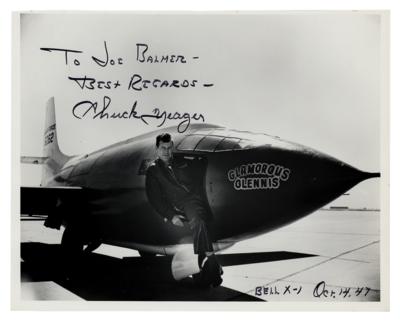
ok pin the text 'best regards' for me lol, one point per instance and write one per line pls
(135, 82)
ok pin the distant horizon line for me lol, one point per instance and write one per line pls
(346, 208)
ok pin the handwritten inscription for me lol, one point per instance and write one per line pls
(320, 291)
(143, 56)
(138, 83)
(66, 52)
(106, 60)
(91, 83)
(135, 83)
(87, 109)
(275, 290)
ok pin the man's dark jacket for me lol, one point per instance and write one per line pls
(164, 190)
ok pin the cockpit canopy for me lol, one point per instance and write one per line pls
(222, 139)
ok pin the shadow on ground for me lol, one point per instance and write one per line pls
(101, 277)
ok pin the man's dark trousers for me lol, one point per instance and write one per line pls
(195, 212)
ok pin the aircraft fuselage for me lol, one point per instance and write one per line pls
(253, 183)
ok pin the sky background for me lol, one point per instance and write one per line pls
(311, 78)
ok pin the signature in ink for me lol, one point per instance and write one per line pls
(87, 108)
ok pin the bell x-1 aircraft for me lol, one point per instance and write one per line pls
(253, 183)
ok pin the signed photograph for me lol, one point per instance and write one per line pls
(171, 160)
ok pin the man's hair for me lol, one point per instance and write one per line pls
(164, 137)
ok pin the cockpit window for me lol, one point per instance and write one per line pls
(228, 143)
(209, 143)
(190, 142)
(222, 139)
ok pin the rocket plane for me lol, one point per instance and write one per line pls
(252, 183)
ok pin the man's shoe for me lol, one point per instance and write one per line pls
(211, 271)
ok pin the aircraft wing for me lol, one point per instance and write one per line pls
(45, 200)
(33, 160)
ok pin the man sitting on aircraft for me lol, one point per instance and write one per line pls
(178, 202)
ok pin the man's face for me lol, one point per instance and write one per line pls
(164, 151)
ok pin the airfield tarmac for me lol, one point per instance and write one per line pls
(327, 256)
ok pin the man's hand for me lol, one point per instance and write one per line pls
(177, 220)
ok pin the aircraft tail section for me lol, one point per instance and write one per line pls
(53, 159)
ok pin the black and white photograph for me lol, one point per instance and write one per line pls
(192, 158)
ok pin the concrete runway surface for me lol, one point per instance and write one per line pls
(327, 256)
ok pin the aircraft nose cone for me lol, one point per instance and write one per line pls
(367, 175)
(268, 187)
(317, 179)
(327, 170)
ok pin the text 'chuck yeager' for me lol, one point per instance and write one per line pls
(269, 176)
